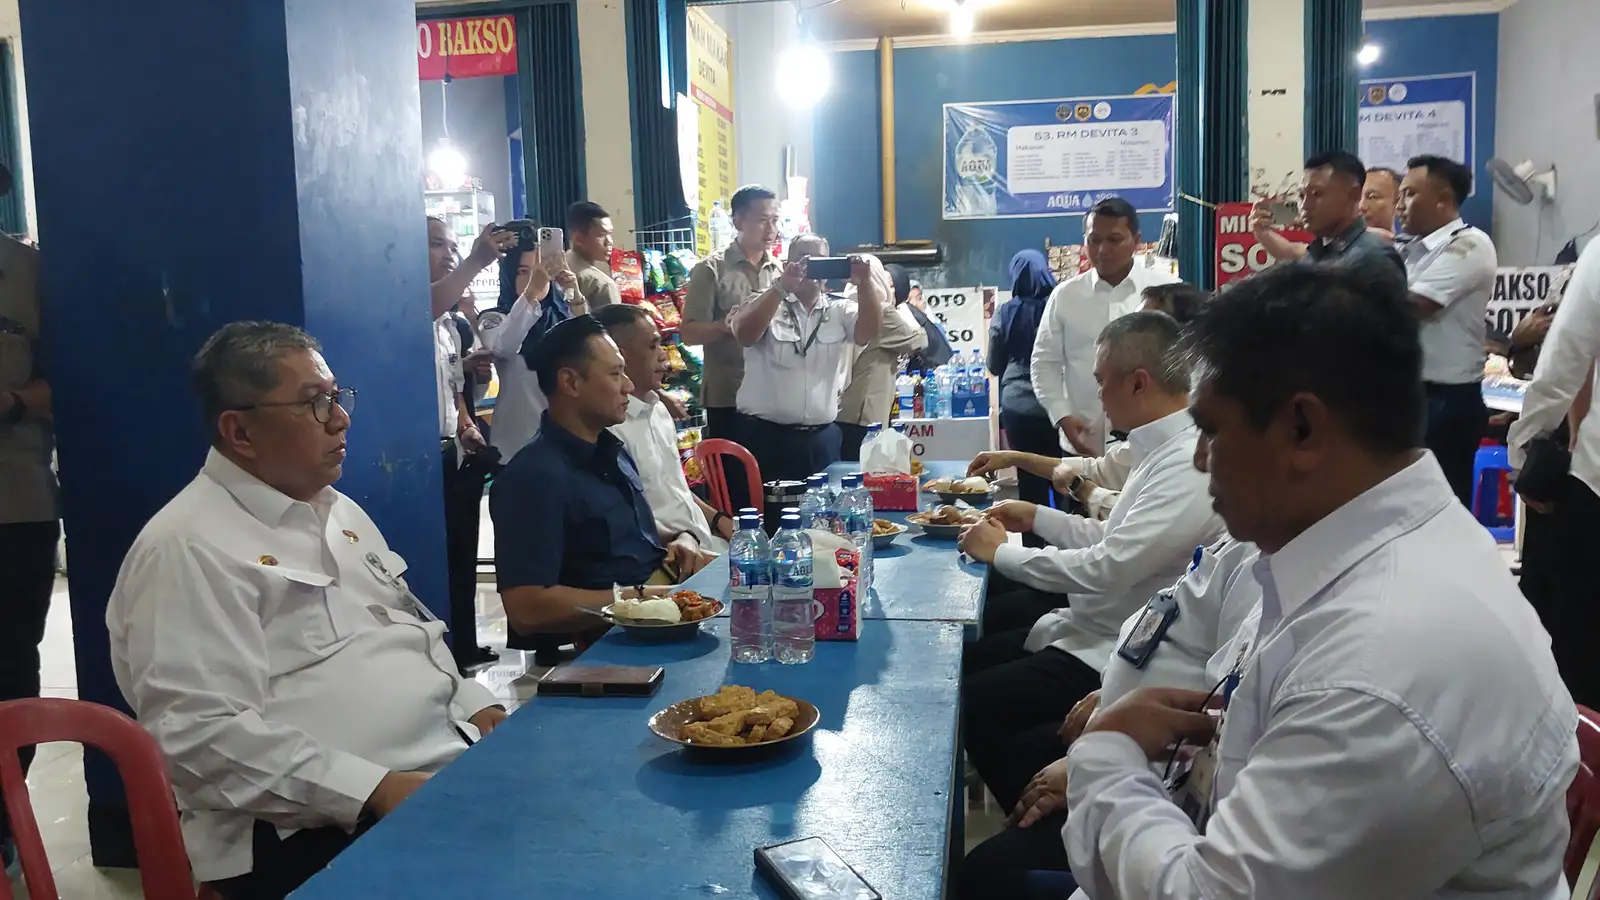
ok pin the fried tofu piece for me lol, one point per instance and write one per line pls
(757, 734)
(779, 727)
(703, 733)
(778, 706)
(732, 698)
(730, 724)
(761, 715)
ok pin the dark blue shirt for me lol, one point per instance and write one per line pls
(571, 513)
(1361, 249)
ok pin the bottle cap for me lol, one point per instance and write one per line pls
(749, 522)
(749, 511)
(821, 478)
(790, 521)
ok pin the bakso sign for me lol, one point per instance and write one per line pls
(466, 48)
(1519, 291)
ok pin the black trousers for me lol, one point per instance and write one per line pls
(1010, 605)
(790, 452)
(1457, 420)
(1019, 863)
(1032, 434)
(1012, 704)
(726, 423)
(281, 865)
(463, 502)
(1575, 606)
(27, 576)
(850, 437)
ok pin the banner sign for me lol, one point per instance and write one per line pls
(1057, 157)
(1238, 252)
(711, 85)
(466, 48)
(960, 311)
(1405, 117)
(1521, 290)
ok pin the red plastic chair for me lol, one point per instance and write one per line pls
(1583, 797)
(163, 862)
(709, 454)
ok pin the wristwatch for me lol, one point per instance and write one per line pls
(1076, 485)
(716, 519)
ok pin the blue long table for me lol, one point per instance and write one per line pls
(574, 797)
(918, 578)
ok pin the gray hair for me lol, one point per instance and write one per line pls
(238, 365)
(1148, 341)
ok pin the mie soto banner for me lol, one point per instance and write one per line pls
(1057, 157)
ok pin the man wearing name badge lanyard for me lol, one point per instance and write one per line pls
(799, 342)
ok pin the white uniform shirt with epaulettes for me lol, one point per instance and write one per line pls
(796, 373)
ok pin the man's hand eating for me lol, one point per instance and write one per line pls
(981, 539)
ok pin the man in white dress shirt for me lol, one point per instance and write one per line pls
(799, 344)
(1450, 273)
(1396, 729)
(262, 633)
(652, 438)
(1029, 670)
(1565, 363)
(1079, 308)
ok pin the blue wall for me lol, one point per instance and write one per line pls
(1443, 46)
(848, 191)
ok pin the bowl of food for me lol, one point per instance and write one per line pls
(674, 616)
(884, 532)
(736, 718)
(944, 522)
(976, 489)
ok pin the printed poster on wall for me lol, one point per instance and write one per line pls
(711, 85)
(1057, 157)
(1405, 117)
(466, 48)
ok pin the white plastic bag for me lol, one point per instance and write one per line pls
(888, 451)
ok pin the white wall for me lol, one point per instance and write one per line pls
(1276, 62)
(763, 124)
(608, 130)
(1547, 111)
(11, 31)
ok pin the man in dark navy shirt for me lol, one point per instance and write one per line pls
(570, 516)
(1330, 208)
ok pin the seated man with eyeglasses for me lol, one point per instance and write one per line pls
(262, 632)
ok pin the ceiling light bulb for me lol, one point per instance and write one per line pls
(804, 75)
(1368, 54)
(961, 20)
(448, 163)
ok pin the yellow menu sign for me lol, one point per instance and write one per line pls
(711, 85)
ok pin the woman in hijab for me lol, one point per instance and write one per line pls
(1011, 334)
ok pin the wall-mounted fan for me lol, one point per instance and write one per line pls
(1522, 182)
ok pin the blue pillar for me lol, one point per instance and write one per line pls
(197, 163)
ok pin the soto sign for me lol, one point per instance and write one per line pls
(1239, 252)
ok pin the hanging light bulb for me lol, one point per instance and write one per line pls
(1368, 54)
(804, 75)
(448, 164)
(961, 20)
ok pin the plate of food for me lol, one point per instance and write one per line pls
(884, 532)
(976, 489)
(944, 522)
(735, 718)
(673, 616)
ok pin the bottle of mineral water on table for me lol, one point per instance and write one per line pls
(750, 592)
(794, 622)
(816, 505)
(856, 507)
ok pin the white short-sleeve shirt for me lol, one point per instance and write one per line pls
(448, 374)
(798, 370)
(1454, 267)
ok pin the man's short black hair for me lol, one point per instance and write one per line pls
(1341, 162)
(1180, 299)
(1458, 176)
(566, 346)
(582, 215)
(750, 193)
(620, 315)
(1117, 208)
(1348, 338)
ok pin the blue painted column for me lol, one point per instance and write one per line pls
(197, 163)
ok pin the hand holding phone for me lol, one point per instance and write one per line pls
(552, 249)
(827, 268)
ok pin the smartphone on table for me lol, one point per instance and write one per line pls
(808, 869)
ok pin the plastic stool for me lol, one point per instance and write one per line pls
(1491, 489)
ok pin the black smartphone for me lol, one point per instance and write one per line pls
(828, 268)
(808, 869)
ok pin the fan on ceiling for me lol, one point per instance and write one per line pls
(1523, 182)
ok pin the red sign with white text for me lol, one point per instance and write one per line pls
(466, 48)
(1238, 252)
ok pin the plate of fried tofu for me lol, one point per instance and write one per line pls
(735, 718)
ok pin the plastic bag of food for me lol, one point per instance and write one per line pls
(627, 268)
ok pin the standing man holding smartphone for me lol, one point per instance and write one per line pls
(799, 344)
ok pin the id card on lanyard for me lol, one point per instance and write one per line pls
(389, 572)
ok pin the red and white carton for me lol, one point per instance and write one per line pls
(892, 492)
(835, 570)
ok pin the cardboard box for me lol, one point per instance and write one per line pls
(891, 492)
(839, 616)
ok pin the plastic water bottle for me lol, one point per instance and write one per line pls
(978, 384)
(816, 506)
(856, 504)
(750, 592)
(957, 369)
(936, 396)
(905, 387)
(794, 623)
(720, 227)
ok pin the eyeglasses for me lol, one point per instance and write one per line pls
(321, 404)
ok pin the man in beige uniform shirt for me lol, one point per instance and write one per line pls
(870, 395)
(589, 226)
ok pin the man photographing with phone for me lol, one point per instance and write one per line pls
(799, 343)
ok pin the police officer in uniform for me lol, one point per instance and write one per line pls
(799, 344)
